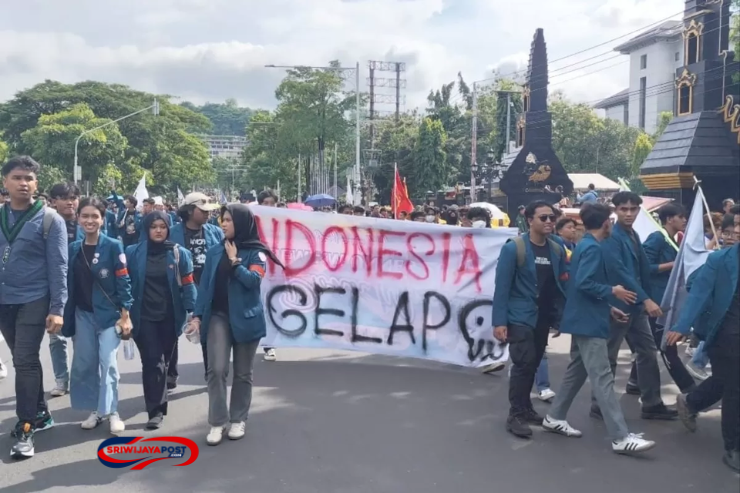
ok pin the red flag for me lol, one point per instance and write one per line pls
(400, 197)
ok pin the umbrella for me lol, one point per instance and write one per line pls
(320, 200)
(299, 206)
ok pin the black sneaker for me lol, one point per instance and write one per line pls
(632, 389)
(533, 418)
(44, 421)
(596, 413)
(23, 447)
(732, 460)
(171, 383)
(659, 412)
(517, 426)
(155, 422)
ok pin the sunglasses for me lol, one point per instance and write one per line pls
(547, 217)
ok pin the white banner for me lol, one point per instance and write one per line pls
(381, 286)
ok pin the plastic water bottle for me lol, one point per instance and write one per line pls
(129, 351)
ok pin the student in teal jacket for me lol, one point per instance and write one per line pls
(198, 236)
(715, 300)
(230, 316)
(530, 290)
(661, 253)
(586, 317)
(164, 295)
(629, 267)
(97, 309)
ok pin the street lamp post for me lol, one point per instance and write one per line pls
(357, 174)
(77, 171)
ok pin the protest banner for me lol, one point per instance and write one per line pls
(381, 286)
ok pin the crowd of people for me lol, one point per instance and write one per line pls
(99, 272)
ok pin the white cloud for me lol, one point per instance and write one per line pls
(209, 50)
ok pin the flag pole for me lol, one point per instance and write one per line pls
(394, 196)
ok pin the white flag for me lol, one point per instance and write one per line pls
(644, 224)
(141, 192)
(692, 254)
(349, 198)
(180, 196)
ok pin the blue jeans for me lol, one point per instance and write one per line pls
(700, 358)
(59, 357)
(542, 377)
(94, 382)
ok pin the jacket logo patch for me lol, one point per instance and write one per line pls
(122, 258)
(262, 256)
(104, 273)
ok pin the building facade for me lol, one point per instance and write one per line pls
(225, 146)
(654, 57)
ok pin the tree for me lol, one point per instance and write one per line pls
(3, 151)
(586, 143)
(643, 146)
(664, 119)
(506, 116)
(431, 171)
(149, 138)
(735, 33)
(52, 141)
(227, 118)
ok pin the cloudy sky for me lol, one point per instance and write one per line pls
(210, 50)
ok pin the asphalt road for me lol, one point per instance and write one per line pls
(337, 422)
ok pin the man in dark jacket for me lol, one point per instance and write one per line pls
(629, 267)
(530, 290)
(661, 252)
(586, 317)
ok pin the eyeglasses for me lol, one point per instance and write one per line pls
(547, 217)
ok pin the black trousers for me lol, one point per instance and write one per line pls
(526, 348)
(671, 359)
(724, 354)
(156, 342)
(23, 327)
(172, 373)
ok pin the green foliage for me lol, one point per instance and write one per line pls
(151, 142)
(227, 118)
(735, 33)
(52, 141)
(3, 151)
(50, 176)
(664, 119)
(643, 146)
(586, 143)
(431, 171)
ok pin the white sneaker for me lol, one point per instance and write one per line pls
(493, 367)
(546, 395)
(215, 435)
(92, 421)
(3, 370)
(236, 431)
(561, 427)
(270, 355)
(632, 444)
(59, 389)
(116, 424)
(696, 372)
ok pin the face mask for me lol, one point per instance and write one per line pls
(430, 219)
(479, 224)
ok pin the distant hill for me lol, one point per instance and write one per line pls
(227, 118)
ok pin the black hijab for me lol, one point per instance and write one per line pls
(246, 234)
(154, 247)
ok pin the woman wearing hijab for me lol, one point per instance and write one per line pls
(230, 317)
(164, 295)
(96, 317)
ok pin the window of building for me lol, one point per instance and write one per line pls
(684, 99)
(692, 48)
(643, 62)
(643, 98)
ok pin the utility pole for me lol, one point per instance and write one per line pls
(474, 143)
(358, 175)
(371, 81)
(508, 121)
(299, 178)
(398, 91)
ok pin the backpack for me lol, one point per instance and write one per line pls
(521, 250)
(48, 220)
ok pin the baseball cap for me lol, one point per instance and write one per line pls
(201, 201)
